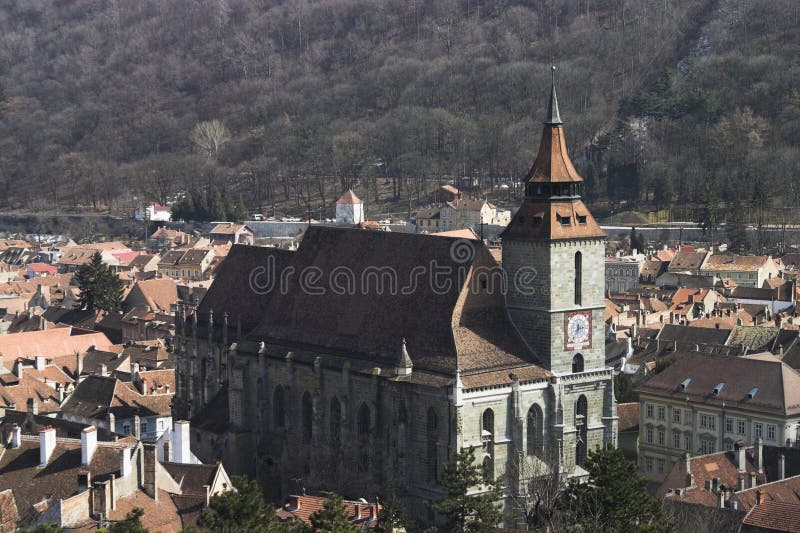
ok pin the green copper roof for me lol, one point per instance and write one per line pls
(553, 116)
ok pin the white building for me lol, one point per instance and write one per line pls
(153, 212)
(349, 209)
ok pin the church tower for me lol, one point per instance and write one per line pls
(553, 255)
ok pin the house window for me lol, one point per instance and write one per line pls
(770, 432)
(578, 277)
(707, 446)
(662, 412)
(758, 430)
(144, 427)
(708, 421)
(661, 465)
(687, 417)
(648, 464)
(649, 410)
(729, 425)
(661, 437)
(687, 442)
(741, 427)
(676, 441)
(126, 429)
(649, 436)
(676, 416)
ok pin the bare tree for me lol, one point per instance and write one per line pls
(209, 137)
(540, 488)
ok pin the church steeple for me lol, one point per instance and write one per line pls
(553, 116)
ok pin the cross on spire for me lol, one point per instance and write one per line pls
(553, 116)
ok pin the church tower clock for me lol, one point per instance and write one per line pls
(553, 256)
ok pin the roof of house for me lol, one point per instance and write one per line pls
(161, 515)
(96, 396)
(467, 205)
(465, 233)
(43, 268)
(227, 228)
(628, 414)
(142, 260)
(171, 258)
(51, 342)
(785, 490)
(755, 338)
(32, 484)
(653, 268)
(362, 515)
(773, 385)
(9, 515)
(776, 516)
(427, 213)
(192, 478)
(16, 391)
(689, 336)
(740, 263)
(453, 325)
(349, 197)
(687, 260)
(160, 294)
(721, 465)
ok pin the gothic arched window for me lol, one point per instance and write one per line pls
(335, 422)
(577, 363)
(535, 431)
(578, 277)
(488, 469)
(308, 417)
(581, 412)
(364, 420)
(432, 452)
(278, 408)
(487, 425)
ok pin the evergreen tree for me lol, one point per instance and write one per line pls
(101, 288)
(216, 206)
(240, 510)
(240, 215)
(662, 194)
(736, 229)
(394, 515)
(473, 513)
(709, 210)
(614, 498)
(332, 518)
(131, 524)
(637, 240)
(42, 528)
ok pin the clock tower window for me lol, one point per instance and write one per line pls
(577, 363)
(578, 277)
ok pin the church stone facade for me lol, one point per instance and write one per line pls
(404, 348)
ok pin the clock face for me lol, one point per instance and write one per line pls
(578, 330)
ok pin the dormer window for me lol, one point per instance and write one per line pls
(752, 393)
(538, 219)
(716, 390)
(685, 383)
(581, 219)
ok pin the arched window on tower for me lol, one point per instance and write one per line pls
(487, 426)
(278, 408)
(535, 431)
(488, 469)
(364, 421)
(432, 454)
(335, 430)
(578, 277)
(308, 417)
(577, 363)
(581, 422)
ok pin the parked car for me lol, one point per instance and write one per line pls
(258, 216)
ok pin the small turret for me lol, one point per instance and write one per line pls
(404, 364)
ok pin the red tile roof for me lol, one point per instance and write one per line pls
(774, 516)
(349, 198)
(51, 343)
(363, 515)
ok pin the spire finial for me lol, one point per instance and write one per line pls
(553, 116)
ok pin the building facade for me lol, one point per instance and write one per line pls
(704, 404)
(356, 388)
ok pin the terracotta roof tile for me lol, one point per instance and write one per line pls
(775, 516)
(349, 198)
(740, 263)
(544, 220)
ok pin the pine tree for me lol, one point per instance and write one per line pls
(101, 288)
(240, 215)
(240, 510)
(131, 524)
(467, 514)
(332, 518)
(614, 498)
(709, 212)
(637, 240)
(736, 229)
(216, 206)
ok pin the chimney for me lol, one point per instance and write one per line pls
(103, 370)
(78, 366)
(137, 427)
(16, 436)
(47, 444)
(358, 511)
(688, 467)
(721, 499)
(112, 422)
(781, 467)
(33, 406)
(84, 480)
(760, 455)
(181, 452)
(715, 484)
(88, 444)
(741, 458)
(111, 479)
(125, 463)
(18, 370)
(40, 362)
(740, 483)
(759, 496)
(753, 480)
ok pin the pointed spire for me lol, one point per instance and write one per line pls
(404, 363)
(553, 116)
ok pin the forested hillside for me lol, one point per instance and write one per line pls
(290, 102)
